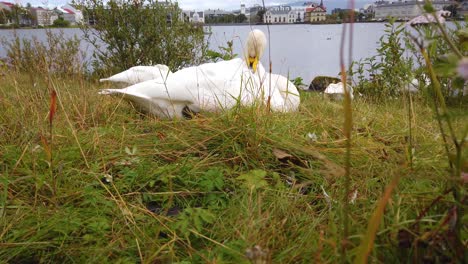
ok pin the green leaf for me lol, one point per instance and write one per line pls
(458, 83)
(463, 33)
(254, 179)
(212, 180)
(206, 216)
(447, 65)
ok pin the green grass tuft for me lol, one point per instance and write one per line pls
(208, 189)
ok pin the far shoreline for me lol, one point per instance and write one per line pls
(234, 24)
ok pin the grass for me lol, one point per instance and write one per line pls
(208, 189)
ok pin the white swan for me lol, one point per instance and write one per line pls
(211, 87)
(214, 86)
(139, 74)
(335, 91)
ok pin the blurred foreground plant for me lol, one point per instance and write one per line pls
(446, 66)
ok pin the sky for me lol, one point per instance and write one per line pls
(212, 4)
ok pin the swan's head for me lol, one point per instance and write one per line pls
(256, 43)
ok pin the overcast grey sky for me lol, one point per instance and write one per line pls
(205, 4)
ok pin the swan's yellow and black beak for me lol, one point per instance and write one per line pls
(253, 63)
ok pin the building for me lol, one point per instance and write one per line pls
(214, 13)
(20, 17)
(194, 17)
(6, 6)
(43, 17)
(279, 15)
(368, 10)
(71, 14)
(300, 13)
(340, 10)
(316, 13)
(67, 15)
(405, 10)
(255, 14)
(242, 10)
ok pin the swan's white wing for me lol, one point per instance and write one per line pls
(214, 86)
(210, 87)
(284, 94)
(139, 74)
(160, 107)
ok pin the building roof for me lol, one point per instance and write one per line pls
(7, 4)
(68, 11)
(279, 10)
(316, 9)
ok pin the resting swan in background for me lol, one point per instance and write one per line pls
(138, 74)
(214, 86)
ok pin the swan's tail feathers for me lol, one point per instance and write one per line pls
(126, 94)
(119, 78)
(109, 91)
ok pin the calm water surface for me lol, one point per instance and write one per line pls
(297, 50)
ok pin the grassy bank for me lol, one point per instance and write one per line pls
(110, 185)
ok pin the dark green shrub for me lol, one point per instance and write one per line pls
(386, 74)
(129, 33)
(60, 22)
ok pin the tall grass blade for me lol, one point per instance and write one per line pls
(368, 241)
(347, 127)
(53, 107)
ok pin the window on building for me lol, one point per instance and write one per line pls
(275, 20)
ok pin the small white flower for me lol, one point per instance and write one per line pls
(131, 152)
(108, 178)
(353, 197)
(312, 137)
(36, 148)
(328, 199)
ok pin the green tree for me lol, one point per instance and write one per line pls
(129, 33)
(15, 14)
(241, 18)
(4, 16)
(259, 17)
(60, 22)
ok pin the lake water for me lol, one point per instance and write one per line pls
(296, 50)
